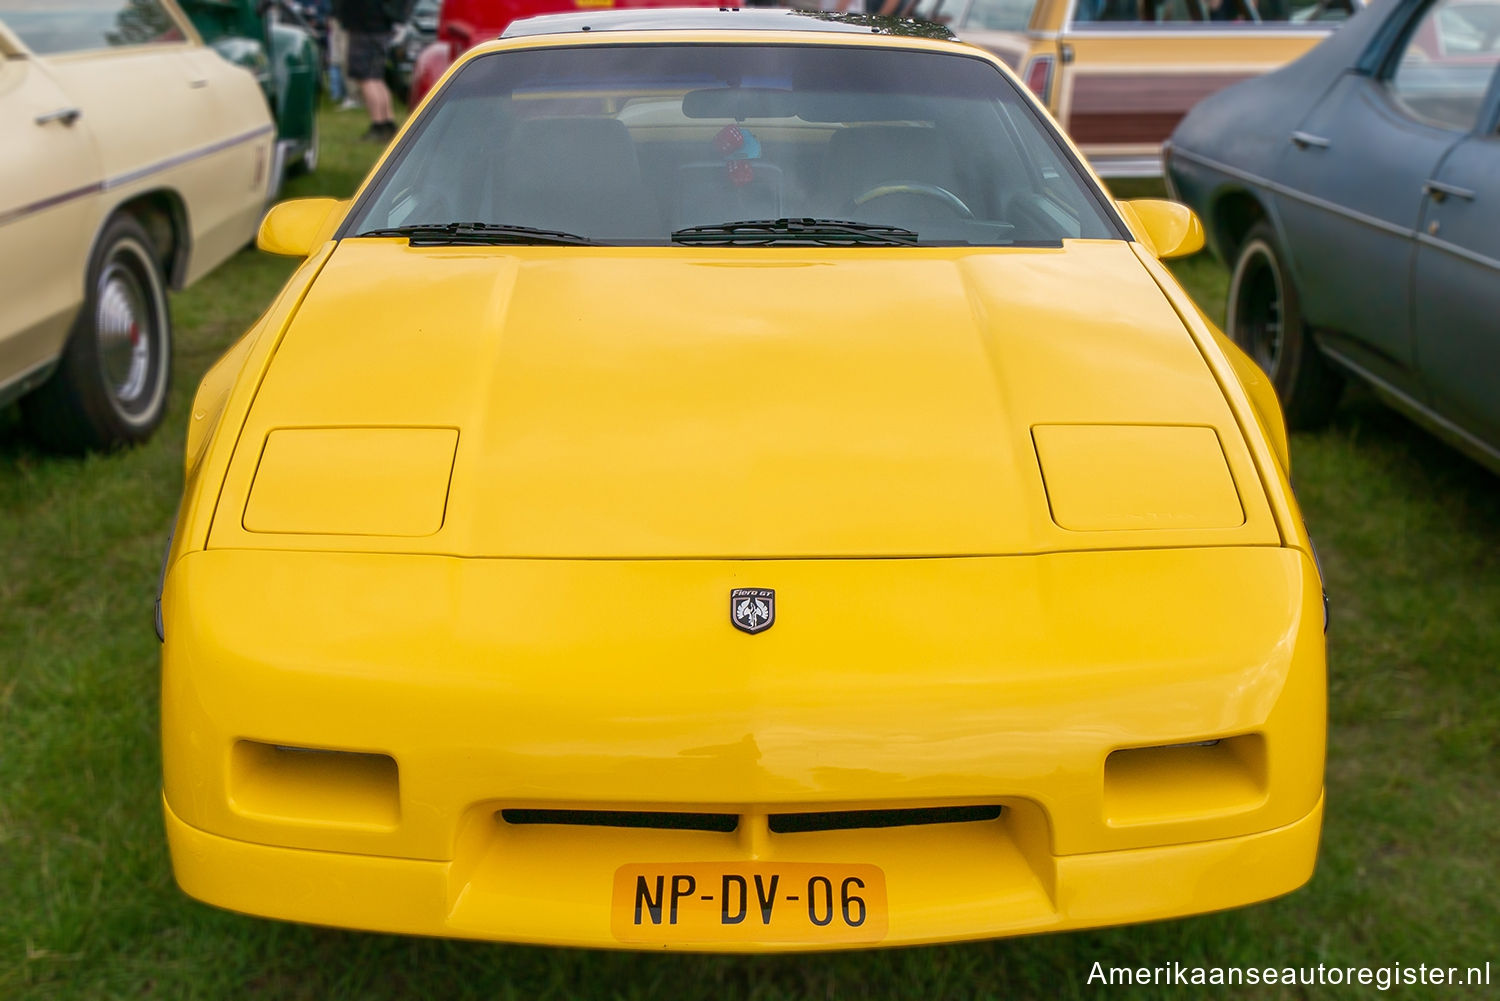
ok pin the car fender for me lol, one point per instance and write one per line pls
(163, 213)
(1228, 202)
(1267, 448)
(1268, 210)
(211, 396)
(227, 388)
(222, 400)
(1260, 391)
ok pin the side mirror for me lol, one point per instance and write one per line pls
(298, 227)
(1168, 229)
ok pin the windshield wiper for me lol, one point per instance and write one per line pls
(820, 232)
(478, 234)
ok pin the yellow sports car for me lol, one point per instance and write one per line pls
(733, 480)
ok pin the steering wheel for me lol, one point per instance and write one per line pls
(887, 188)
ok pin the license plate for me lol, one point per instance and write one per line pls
(712, 902)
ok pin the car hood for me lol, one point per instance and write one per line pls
(745, 403)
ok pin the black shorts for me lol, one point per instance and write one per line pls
(366, 56)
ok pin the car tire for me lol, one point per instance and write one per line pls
(1265, 320)
(110, 386)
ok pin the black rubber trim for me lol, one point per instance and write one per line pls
(719, 822)
(849, 820)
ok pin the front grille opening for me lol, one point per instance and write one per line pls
(849, 820)
(723, 823)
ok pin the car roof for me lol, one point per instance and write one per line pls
(723, 19)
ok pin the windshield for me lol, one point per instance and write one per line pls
(635, 143)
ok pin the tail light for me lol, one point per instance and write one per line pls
(1038, 77)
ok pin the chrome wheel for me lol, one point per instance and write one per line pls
(123, 323)
(130, 332)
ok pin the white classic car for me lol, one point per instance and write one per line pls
(133, 158)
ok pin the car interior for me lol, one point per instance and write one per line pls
(636, 144)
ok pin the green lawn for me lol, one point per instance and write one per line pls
(1410, 538)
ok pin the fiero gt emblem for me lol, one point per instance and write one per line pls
(752, 609)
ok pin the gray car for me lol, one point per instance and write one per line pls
(1356, 196)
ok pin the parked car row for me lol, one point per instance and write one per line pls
(1351, 193)
(694, 264)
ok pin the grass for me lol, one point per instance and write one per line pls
(1410, 538)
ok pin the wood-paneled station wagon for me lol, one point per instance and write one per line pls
(1119, 74)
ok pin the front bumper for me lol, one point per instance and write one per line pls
(555, 890)
(454, 690)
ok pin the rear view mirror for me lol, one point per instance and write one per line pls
(298, 227)
(739, 103)
(1168, 229)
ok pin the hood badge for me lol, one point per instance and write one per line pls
(752, 609)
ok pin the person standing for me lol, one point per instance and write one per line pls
(368, 24)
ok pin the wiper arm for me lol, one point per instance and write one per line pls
(820, 232)
(478, 234)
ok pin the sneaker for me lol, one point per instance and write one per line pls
(348, 104)
(379, 132)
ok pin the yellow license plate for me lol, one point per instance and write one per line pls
(709, 902)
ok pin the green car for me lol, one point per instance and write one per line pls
(273, 42)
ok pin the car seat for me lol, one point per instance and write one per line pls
(580, 175)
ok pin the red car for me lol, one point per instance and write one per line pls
(465, 23)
